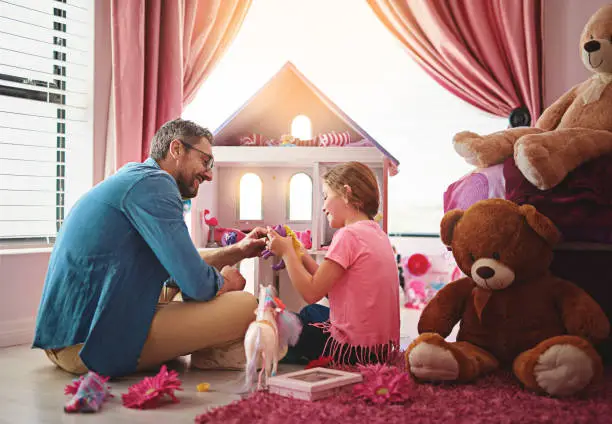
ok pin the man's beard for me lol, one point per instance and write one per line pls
(187, 191)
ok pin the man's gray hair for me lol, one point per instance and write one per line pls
(176, 129)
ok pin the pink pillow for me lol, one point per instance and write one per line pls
(334, 139)
(254, 140)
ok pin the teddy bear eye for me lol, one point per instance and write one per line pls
(472, 257)
(496, 256)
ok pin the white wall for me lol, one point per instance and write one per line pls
(563, 23)
(21, 281)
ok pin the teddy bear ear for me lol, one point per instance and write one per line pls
(541, 224)
(448, 224)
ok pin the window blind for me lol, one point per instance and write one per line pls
(45, 58)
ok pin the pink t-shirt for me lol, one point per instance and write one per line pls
(364, 303)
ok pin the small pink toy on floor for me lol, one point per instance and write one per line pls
(89, 391)
(149, 392)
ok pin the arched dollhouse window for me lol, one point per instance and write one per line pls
(250, 197)
(300, 197)
(301, 127)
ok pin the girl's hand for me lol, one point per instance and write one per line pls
(278, 244)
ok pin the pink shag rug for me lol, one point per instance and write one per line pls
(495, 399)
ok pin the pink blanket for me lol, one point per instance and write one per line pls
(481, 184)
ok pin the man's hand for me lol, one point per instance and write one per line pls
(232, 280)
(254, 243)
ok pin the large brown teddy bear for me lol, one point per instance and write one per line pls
(513, 312)
(574, 129)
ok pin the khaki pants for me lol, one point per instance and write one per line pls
(180, 328)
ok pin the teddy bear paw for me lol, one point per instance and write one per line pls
(563, 370)
(537, 163)
(465, 136)
(433, 363)
(463, 144)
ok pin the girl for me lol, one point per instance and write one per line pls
(359, 276)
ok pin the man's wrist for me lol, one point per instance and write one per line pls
(220, 281)
(237, 251)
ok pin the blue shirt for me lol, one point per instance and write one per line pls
(114, 251)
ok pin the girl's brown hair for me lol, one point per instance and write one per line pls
(364, 194)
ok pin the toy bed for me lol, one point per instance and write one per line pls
(581, 207)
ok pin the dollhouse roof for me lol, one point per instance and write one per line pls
(272, 108)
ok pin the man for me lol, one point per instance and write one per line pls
(122, 240)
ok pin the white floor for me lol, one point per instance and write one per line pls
(32, 389)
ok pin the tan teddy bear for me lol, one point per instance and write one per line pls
(574, 129)
(513, 312)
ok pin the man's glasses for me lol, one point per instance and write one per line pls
(209, 162)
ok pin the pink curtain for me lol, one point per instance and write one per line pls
(162, 51)
(487, 52)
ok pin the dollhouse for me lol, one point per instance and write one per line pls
(270, 156)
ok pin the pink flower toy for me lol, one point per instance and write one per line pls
(383, 384)
(149, 392)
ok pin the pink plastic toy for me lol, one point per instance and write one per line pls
(425, 275)
(212, 221)
(89, 392)
(150, 392)
(415, 294)
(305, 238)
(228, 236)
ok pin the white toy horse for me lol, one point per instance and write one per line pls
(268, 337)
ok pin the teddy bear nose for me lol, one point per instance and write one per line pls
(592, 46)
(485, 272)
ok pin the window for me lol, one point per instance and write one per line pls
(300, 197)
(250, 197)
(405, 110)
(43, 127)
(301, 127)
